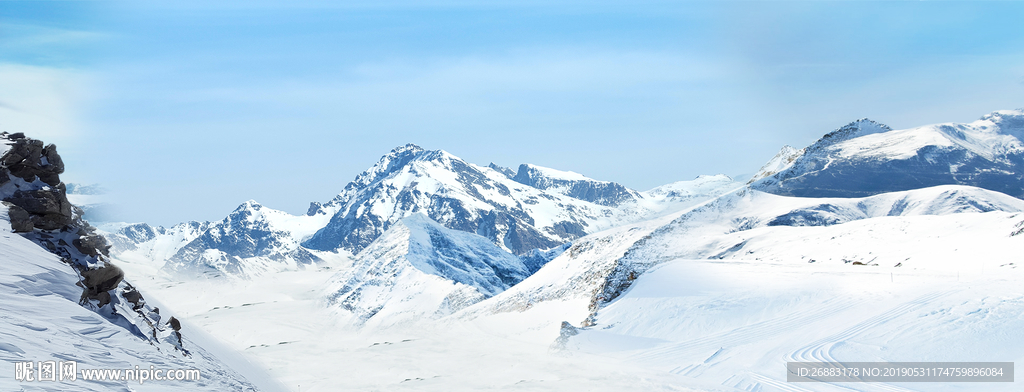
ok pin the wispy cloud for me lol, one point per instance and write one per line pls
(43, 102)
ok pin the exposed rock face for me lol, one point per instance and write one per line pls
(576, 186)
(866, 158)
(38, 208)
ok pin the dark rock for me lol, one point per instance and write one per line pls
(92, 245)
(50, 208)
(101, 280)
(314, 207)
(175, 324)
(102, 296)
(134, 297)
(21, 221)
(53, 159)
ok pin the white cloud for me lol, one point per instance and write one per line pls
(44, 103)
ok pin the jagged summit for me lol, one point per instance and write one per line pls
(855, 129)
(459, 195)
(575, 185)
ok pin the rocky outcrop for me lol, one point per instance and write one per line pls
(38, 208)
(574, 185)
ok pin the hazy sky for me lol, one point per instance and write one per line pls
(185, 109)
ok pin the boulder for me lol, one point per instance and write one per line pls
(21, 221)
(92, 245)
(175, 324)
(101, 280)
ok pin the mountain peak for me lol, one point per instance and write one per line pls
(249, 205)
(855, 129)
(408, 147)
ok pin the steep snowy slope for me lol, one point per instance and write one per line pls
(420, 269)
(65, 300)
(865, 158)
(42, 320)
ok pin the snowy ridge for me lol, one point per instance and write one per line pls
(419, 268)
(575, 185)
(252, 240)
(866, 158)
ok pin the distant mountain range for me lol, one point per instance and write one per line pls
(429, 234)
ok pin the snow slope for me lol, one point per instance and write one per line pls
(420, 269)
(932, 288)
(43, 321)
(598, 268)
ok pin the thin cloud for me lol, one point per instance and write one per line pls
(5, 105)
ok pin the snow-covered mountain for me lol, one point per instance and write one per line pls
(252, 240)
(148, 242)
(419, 268)
(459, 195)
(866, 158)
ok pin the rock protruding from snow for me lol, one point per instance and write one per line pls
(419, 268)
(45, 318)
(866, 158)
(575, 185)
(36, 205)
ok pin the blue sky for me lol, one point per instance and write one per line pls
(185, 109)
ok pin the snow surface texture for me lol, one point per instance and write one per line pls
(865, 158)
(419, 269)
(43, 321)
